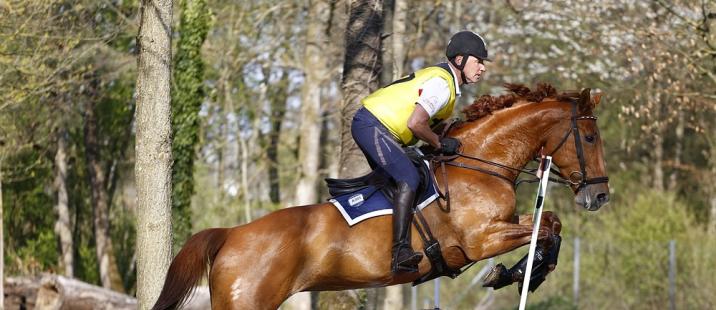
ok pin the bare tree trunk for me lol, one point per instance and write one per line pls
(278, 111)
(108, 271)
(394, 294)
(393, 297)
(62, 226)
(243, 146)
(711, 181)
(375, 297)
(712, 202)
(658, 148)
(315, 72)
(361, 75)
(678, 146)
(153, 150)
(455, 6)
(314, 67)
(226, 109)
(400, 16)
(386, 76)
(658, 160)
(2, 243)
(221, 151)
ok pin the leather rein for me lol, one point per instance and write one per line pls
(581, 175)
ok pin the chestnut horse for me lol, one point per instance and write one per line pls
(312, 248)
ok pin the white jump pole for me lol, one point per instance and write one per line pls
(543, 174)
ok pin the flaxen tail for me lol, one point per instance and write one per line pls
(189, 266)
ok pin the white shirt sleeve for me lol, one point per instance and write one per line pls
(434, 95)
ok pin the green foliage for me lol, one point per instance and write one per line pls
(38, 254)
(29, 236)
(87, 267)
(624, 254)
(552, 303)
(124, 236)
(627, 248)
(187, 96)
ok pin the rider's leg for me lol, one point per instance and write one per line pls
(399, 167)
(382, 150)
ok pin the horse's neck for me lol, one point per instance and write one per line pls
(513, 136)
(509, 137)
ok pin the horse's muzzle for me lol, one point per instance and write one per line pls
(593, 196)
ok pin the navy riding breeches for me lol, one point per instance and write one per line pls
(382, 150)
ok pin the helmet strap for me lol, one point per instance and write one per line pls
(461, 66)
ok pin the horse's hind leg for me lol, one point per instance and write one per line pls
(238, 290)
(264, 283)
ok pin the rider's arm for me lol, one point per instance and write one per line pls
(434, 95)
(418, 124)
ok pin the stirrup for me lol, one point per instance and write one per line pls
(410, 261)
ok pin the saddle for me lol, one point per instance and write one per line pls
(381, 181)
(375, 181)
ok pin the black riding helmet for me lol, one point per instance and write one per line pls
(466, 43)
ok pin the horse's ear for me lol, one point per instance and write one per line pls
(585, 103)
(597, 97)
(584, 96)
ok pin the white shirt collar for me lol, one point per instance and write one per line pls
(454, 78)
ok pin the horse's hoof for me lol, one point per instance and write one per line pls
(498, 277)
(534, 284)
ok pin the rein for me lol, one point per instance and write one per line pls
(573, 130)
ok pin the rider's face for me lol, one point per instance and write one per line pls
(474, 69)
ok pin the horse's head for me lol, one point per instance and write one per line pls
(576, 148)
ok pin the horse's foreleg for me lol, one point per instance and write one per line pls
(550, 222)
(545, 255)
(502, 237)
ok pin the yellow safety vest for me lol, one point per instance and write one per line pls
(392, 105)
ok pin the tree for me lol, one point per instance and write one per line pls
(278, 95)
(394, 294)
(108, 272)
(361, 74)
(47, 61)
(186, 101)
(63, 226)
(362, 67)
(314, 69)
(153, 149)
(2, 236)
(400, 15)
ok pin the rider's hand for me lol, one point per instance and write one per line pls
(449, 146)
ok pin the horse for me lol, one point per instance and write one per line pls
(311, 248)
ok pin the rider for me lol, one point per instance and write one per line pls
(403, 112)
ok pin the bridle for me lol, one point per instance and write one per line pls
(581, 175)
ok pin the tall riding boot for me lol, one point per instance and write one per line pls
(404, 258)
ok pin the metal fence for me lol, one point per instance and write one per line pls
(592, 275)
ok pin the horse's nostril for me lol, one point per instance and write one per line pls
(602, 197)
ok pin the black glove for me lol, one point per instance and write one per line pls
(449, 146)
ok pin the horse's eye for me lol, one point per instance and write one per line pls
(589, 138)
